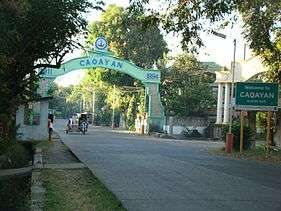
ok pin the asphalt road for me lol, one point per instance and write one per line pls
(156, 174)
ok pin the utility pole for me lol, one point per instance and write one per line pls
(81, 104)
(229, 135)
(245, 46)
(232, 87)
(113, 108)
(241, 131)
(93, 106)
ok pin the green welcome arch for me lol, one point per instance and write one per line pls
(101, 57)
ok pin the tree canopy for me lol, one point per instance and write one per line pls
(62, 107)
(130, 40)
(185, 88)
(261, 21)
(128, 37)
(34, 34)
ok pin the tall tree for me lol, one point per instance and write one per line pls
(129, 39)
(33, 34)
(261, 19)
(186, 89)
(189, 18)
(62, 107)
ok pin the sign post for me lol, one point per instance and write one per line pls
(256, 97)
(241, 131)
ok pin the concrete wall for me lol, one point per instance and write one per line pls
(33, 132)
(180, 124)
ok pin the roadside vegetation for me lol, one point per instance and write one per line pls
(248, 138)
(77, 190)
(259, 153)
(15, 189)
(72, 189)
(15, 155)
(15, 193)
(55, 26)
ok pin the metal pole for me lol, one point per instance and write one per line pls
(113, 108)
(245, 51)
(241, 131)
(232, 87)
(268, 134)
(81, 104)
(94, 103)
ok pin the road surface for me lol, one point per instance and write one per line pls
(146, 173)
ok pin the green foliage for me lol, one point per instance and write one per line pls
(247, 135)
(34, 34)
(127, 36)
(155, 129)
(185, 88)
(131, 113)
(261, 120)
(77, 189)
(261, 23)
(191, 133)
(127, 39)
(14, 155)
(59, 103)
(15, 193)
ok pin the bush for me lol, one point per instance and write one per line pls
(247, 136)
(14, 155)
(155, 129)
(191, 133)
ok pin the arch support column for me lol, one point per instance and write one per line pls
(155, 108)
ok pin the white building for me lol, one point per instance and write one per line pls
(244, 70)
(32, 118)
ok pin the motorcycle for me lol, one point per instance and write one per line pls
(83, 127)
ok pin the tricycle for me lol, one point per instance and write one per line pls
(75, 125)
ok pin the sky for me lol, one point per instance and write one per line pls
(216, 49)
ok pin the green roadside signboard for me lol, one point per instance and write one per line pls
(256, 96)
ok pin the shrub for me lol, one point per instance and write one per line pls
(191, 133)
(15, 155)
(155, 128)
(247, 135)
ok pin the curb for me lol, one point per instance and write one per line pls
(15, 172)
(37, 189)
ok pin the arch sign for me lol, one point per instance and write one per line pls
(99, 56)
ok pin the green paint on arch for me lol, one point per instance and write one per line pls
(105, 59)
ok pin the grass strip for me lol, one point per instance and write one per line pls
(259, 153)
(77, 190)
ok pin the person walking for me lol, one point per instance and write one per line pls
(50, 128)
